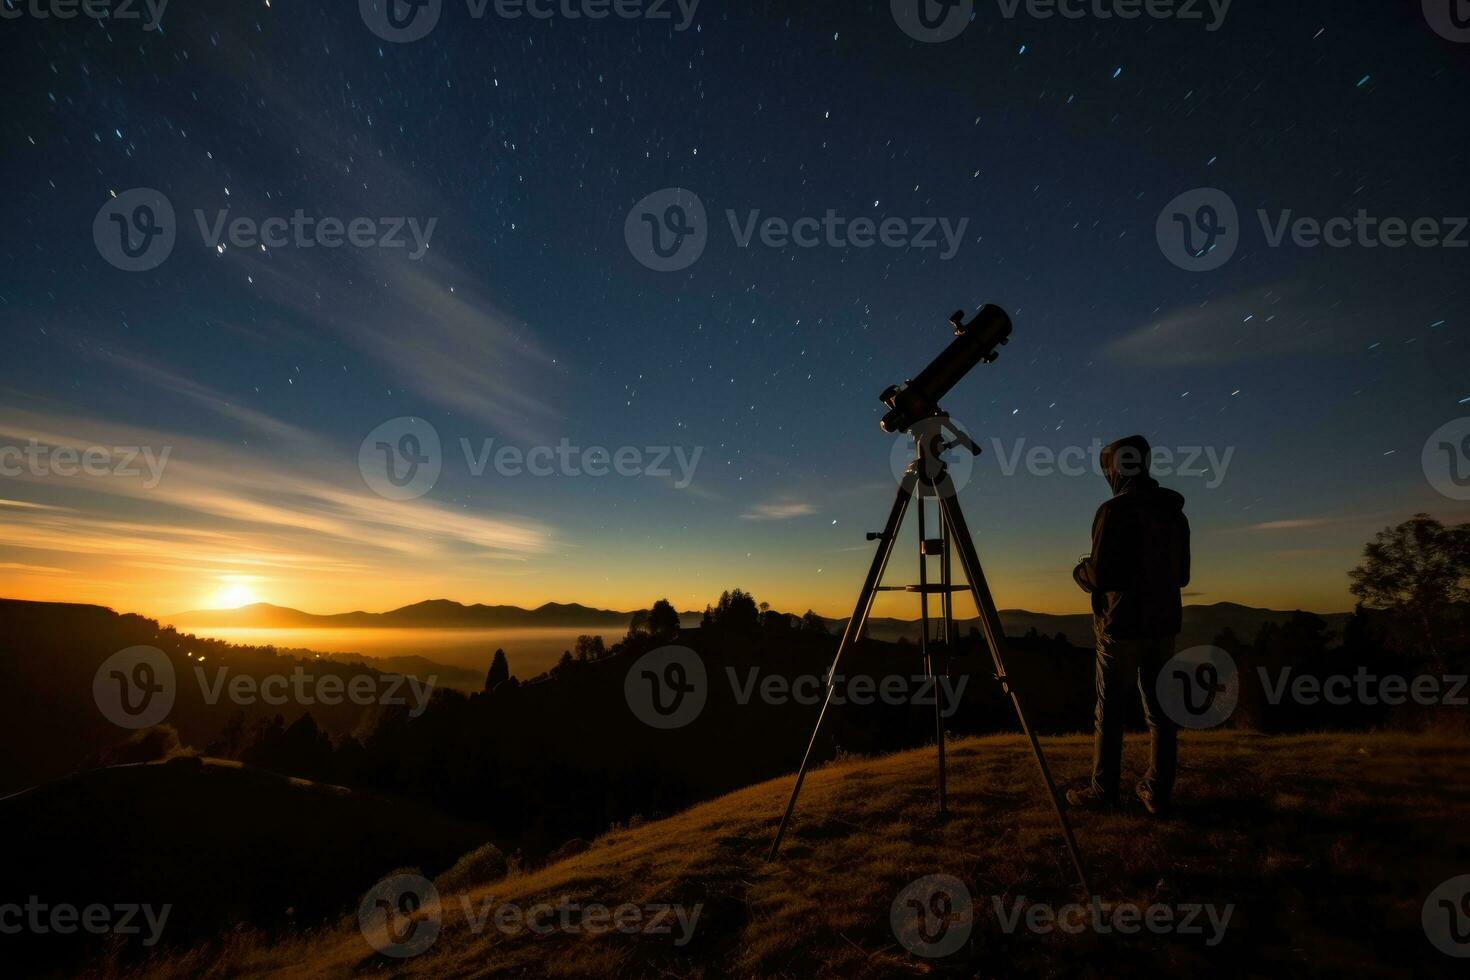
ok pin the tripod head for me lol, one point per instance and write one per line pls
(975, 342)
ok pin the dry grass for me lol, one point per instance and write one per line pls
(1326, 845)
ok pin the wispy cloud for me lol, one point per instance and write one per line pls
(778, 511)
(1254, 323)
(218, 506)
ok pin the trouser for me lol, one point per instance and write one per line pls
(1120, 665)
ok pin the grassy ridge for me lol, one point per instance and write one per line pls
(1326, 846)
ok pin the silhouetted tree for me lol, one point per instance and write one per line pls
(663, 620)
(590, 648)
(637, 626)
(499, 671)
(1419, 572)
(737, 613)
(812, 623)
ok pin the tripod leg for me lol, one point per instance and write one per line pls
(850, 635)
(926, 650)
(995, 638)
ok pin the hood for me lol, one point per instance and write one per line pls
(1125, 464)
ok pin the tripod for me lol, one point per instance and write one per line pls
(928, 476)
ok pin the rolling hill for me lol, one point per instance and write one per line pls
(215, 842)
(1321, 850)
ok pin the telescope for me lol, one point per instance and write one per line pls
(975, 342)
(913, 408)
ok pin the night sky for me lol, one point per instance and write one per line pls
(528, 320)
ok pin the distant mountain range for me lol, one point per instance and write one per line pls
(430, 614)
(1202, 623)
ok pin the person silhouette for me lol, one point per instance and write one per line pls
(1138, 565)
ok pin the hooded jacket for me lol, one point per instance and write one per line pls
(1140, 550)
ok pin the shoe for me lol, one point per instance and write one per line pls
(1088, 798)
(1151, 803)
